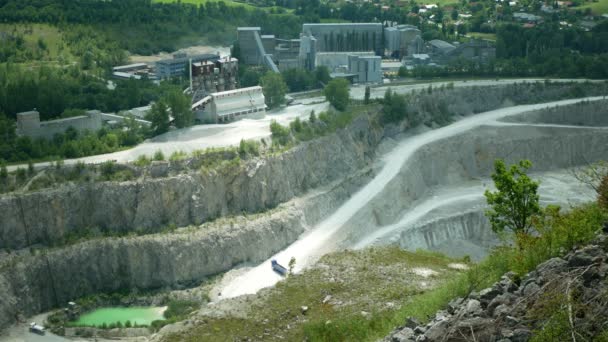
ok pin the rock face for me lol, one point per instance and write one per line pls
(512, 308)
(470, 156)
(46, 217)
(32, 281)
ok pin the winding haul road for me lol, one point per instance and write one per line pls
(223, 135)
(320, 240)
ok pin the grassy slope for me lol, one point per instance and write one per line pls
(52, 37)
(375, 281)
(600, 7)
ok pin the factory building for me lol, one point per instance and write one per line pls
(439, 47)
(402, 40)
(29, 124)
(214, 76)
(252, 47)
(346, 37)
(367, 69)
(477, 50)
(178, 65)
(231, 105)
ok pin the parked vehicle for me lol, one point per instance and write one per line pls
(37, 329)
(278, 268)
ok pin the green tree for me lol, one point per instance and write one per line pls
(515, 200)
(336, 92)
(3, 171)
(274, 89)
(602, 193)
(367, 95)
(322, 75)
(180, 108)
(159, 116)
(394, 108)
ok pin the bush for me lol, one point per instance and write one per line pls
(21, 175)
(107, 169)
(142, 161)
(280, 134)
(158, 155)
(178, 155)
(3, 171)
(249, 147)
(180, 308)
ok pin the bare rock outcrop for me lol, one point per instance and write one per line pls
(513, 309)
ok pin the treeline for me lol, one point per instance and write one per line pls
(54, 90)
(568, 65)
(144, 27)
(536, 44)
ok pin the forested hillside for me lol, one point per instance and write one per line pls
(143, 27)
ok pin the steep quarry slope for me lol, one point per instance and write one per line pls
(45, 217)
(327, 171)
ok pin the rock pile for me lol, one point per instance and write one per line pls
(574, 286)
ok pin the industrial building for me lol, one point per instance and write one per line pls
(231, 105)
(252, 47)
(359, 67)
(367, 69)
(476, 50)
(439, 47)
(349, 37)
(213, 76)
(136, 71)
(178, 65)
(29, 124)
(402, 40)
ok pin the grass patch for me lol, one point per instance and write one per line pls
(597, 7)
(360, 283)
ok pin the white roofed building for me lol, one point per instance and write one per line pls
(231, 105)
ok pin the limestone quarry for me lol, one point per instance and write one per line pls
(368, 184)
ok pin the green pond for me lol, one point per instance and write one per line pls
(136, 315)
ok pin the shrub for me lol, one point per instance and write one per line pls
(158, 155)
(249, 147)
(3, 171)
(280, 134)
(180, 308)
(177, 156)
(21, 175)
(142, 161)
(107, 169)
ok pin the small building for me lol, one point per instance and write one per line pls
(231, 105)
(29, 124)
(130, 67)
(178, 65)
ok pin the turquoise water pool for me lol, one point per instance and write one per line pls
(136, 315)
